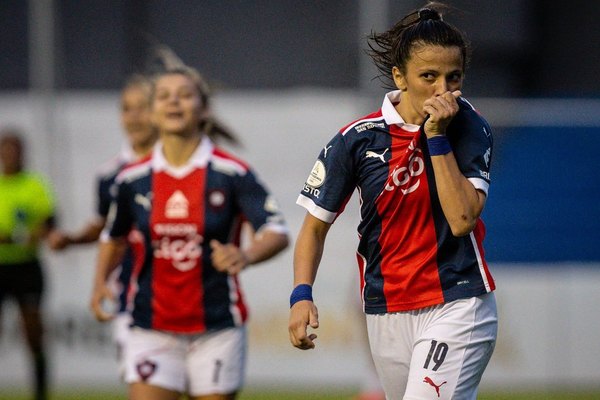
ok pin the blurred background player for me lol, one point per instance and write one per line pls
(421, 166)
(26, 217)
(189, 200)
(141, 137)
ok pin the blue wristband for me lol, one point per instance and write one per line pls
(438, 145)
(301, 292)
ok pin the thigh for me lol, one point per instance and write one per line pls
(121, 327)
(216, 363)
(391, 342)
(155, 359)
(143, 391)
(453, 350)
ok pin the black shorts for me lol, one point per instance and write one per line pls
(24, 282)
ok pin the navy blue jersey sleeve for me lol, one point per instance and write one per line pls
(120, 216)
(471, 139)
(257, 204)
(330, 182)
(104, 196)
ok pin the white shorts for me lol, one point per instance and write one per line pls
(438, 352)
(203, 364)
(121, 326)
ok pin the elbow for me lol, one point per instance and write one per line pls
(285, 242)
(281, 243)
(463, 226)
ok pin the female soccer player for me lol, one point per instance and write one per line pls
(421, 166)
(189, 201)
(141, 137)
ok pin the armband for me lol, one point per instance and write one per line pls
(438, 145)
(301, 292)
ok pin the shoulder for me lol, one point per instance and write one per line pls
(227, 163)
(36, 179)
(135, 170)
(470, 119)
(373, 121)
(109, 168)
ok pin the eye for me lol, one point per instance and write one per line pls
(162, 94)
(456, 77)
(428, 76)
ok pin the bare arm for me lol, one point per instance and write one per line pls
(90, 233)
(264, 245)
(461, 203)
(307, 256)
(110, 254)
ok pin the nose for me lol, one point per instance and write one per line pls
(441, 86)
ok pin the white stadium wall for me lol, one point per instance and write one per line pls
(549, 322)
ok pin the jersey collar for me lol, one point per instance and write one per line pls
(199, 159)
(390, 114)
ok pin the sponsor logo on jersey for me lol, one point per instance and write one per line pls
(179, 243)
(484, 174)
(177, 206)
(325, 150)
(369, 125)
(407, 177)
(372, 154)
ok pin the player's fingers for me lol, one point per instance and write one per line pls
(299, 321)
(444, 104)
(98, 310)
(297, 335)
(314, 317)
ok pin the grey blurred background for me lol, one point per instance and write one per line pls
(521, 47)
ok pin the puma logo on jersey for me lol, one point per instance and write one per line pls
(143, 201)
(326, 149)
(372, 154)
(436, 387)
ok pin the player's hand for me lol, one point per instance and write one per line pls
(102, 295)
(441, 109)
(57, 240)
(302, 315)
(227, 257)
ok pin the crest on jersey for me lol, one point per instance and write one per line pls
(316, 178)
(145, 369)
(216, 198)
(177, 206)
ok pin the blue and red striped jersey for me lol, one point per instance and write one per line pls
(408, 258)
(179, 211)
